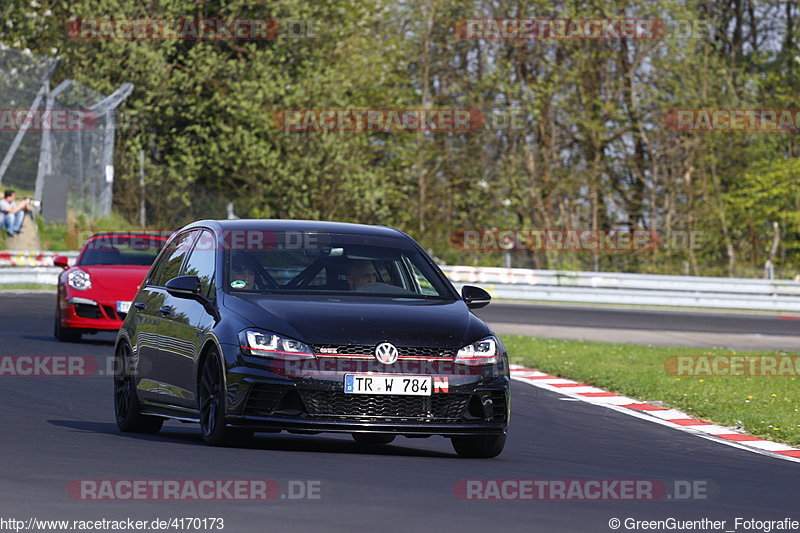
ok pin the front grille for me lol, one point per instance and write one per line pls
(349, 349)
(338, 404)
(498, 406)
(87, 311)
(364, 349)
(424, 351)
(112, 313)
(263, 400)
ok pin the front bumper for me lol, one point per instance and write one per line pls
(100, 317)
(407, 429)
(103, 316)
(475, 401)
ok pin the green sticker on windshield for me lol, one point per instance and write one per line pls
(238, 284)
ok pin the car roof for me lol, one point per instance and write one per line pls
(311, 226)
(136, 233)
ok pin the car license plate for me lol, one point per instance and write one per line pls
(387, 384)
(123, 307)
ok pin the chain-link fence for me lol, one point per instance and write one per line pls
(23, 80)
(58, 143)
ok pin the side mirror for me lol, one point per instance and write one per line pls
(184, 287)
(61, 261)
(475, 297)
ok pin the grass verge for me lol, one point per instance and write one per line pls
(767, 407)
(71, 235)
(27, 286)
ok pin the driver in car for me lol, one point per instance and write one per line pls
(243, 275)
(360, 272)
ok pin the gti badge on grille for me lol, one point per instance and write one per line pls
(386, 353)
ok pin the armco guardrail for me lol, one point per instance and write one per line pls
(579, 287)
(21, 267)
(35, 275)
(18, 258)
(637, 289)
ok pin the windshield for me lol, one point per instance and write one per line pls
(327, 263)
(121, 250)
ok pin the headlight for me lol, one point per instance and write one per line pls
(482, 352)
(80, 280)
(267, 344)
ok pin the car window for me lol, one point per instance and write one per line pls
(332, 263)
(121, 249)
(422, 284)
(284, 265)
(170, 264)
(201, 262)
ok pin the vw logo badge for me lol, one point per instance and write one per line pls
(386, 353)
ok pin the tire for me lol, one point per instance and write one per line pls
(126, 404)
(373, 438)
(211, 403)
(65, 334)
(483, 447)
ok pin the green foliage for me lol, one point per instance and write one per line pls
(590, 148)
(71, 235)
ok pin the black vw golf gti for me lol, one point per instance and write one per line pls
(283, 325)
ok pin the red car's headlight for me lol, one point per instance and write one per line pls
(79, 280)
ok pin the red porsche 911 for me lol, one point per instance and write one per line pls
(96, 293)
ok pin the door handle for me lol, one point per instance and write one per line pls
(140, 305)
(166, 310)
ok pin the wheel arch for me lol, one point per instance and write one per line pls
(122, 337)
(211, 343)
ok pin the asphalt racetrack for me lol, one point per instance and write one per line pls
(57, 431)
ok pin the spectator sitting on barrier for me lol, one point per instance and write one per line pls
(13, 214)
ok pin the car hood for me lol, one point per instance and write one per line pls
(362, 320)
(122, 278)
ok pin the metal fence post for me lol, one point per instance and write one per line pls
(46, 154)
(26, 125)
